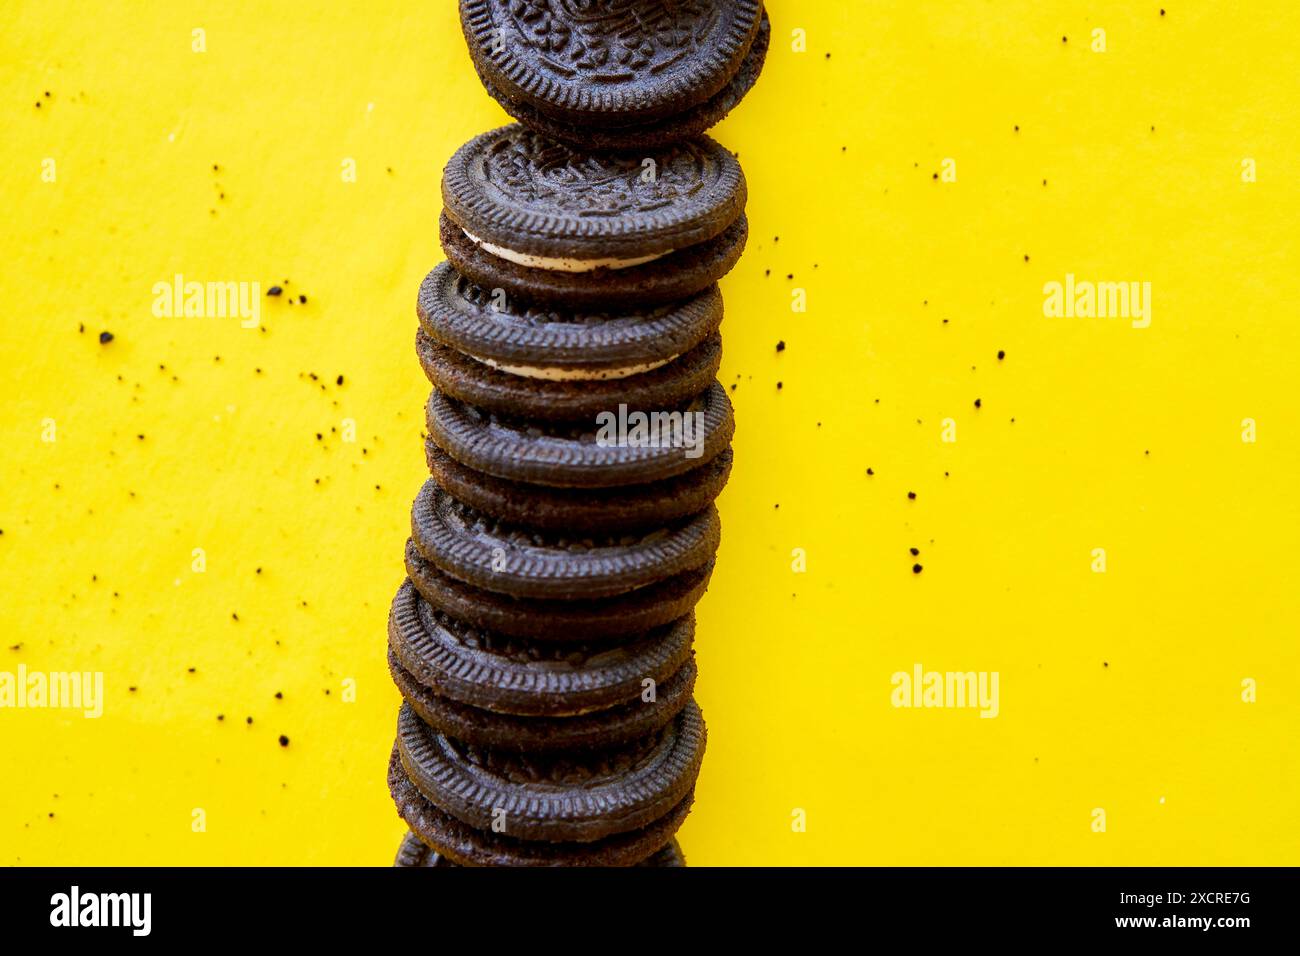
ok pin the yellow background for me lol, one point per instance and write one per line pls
(1119, 691)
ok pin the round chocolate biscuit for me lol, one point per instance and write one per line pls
(609, 64)
(559, 621)
(620, 447)
(650, 133)
(524, 339)
(469, 846)
(512, 676)
(413, 853)
(597, 730)
(534, 198)
(581, 510)
(673, 277)
(470, 380)
(481, 551)
(555, 798)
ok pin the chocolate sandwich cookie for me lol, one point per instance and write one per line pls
(414, 853)
(483, 552)
(581, 510)
(528, 215)
(556, 344)
(598, 730)
(654, 132)
(511, 676)
(616, 74)
(472, 381)
(619, 447)
(469, 846)
(581, 797)
(560, 621)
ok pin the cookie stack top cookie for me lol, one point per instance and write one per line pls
(617, 74)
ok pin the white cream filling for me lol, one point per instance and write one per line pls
(553, 373)
(560, 264)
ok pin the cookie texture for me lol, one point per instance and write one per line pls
(582, 510)
(455, 312)
(672, 277)
(559, 621)
(513, 676)
(615, 450)
(562, 798)
(475, 383)
(609, 64)
(649, 133)
(413, 853)
(520, 190)
(481, 551)
(596, 730)
(471, 846)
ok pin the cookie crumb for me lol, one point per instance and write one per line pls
(105, 337)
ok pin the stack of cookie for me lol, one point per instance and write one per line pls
(542, 641)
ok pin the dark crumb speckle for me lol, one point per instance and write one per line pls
(339, 380)
(1001, 355)
(1105, 663)
(279, 695)
(780, 346)
(105, 338)
(914, 551)
(248, 720)
(978, 403)
(911, 496)
(870, 472)
(302, 299)
(779, 386)
(274, 290)
(916, 569)
(284, 741)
